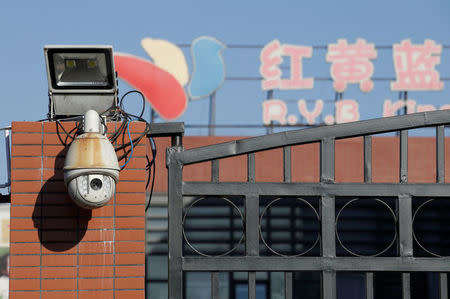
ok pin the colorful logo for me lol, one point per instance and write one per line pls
(162, 80)
(209, 69)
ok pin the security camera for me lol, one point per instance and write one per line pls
(91, 169)
(91, 190)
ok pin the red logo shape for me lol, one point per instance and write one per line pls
(160, 88)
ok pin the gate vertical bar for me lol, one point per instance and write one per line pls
(440, 179)
(287, 179)
(175, 214)
(367, 159)
(215, 171)
(403, 156)
(443, 286)
(369, 285)
(252, 285)
(251, 237)
(440, 154)
(288, 285)
(251, 225)
(215, 285)
(327, 209)
(405, 215)
(215, 275)
(287, 164)
(368, 179)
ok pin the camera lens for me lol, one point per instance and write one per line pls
(96, 184)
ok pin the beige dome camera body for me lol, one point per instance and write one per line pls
(91, 169)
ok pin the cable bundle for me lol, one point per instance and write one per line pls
(117, 113)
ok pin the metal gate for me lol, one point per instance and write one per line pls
(327, 190)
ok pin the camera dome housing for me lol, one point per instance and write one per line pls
(91, 169)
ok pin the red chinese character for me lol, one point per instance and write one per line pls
(351, 64)
(271, 58)
(296, 81)
(415, 66)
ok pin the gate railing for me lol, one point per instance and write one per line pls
(328, 263)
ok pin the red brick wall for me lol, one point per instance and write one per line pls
(349, 157)
(59, 250)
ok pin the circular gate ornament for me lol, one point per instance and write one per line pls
(222, 254)
(277, 252)
(369, 255)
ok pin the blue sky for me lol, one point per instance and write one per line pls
(26, 26)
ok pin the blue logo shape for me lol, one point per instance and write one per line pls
(208, 67)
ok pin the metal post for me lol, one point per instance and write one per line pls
(327, 207)
(368, 179)
(369, 285)
(8, 155)
(177, 140)
(287, 174)
(269, 130)
(440, 179)
(367, 159)
(287, 164)
(337, 97)
(440, 154)
(152, 115)
(212, 114)
(288, 285)
(175, 215)
(405, 99)
(8, 159)
(251, 225)
(215, 285)
(405, 215)
(443, 286)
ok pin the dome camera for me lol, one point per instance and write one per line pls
(91, 169)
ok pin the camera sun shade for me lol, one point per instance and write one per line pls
(80, 78)
(91, 169)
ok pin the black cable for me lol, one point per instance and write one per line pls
(150, 163)
(59, 135)
(102, 120)
(117, 113)
(119, 131)
(135, 140)
(133, 91)
(154, 173)
(147, 168)
(73, 137)
(68, 134)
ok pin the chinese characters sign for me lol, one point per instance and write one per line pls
(351, 64)
(271, 58)
(414, 64)
(169, 82)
